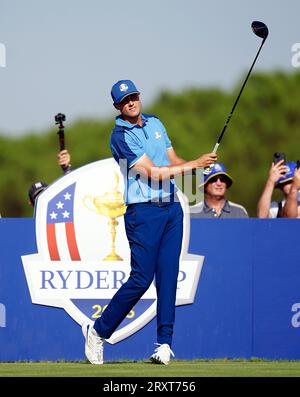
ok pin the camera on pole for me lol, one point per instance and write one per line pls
(59, 119)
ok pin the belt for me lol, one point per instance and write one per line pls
(159, 202)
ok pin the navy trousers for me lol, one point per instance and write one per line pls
(154, 232)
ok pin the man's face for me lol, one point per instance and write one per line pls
(130, 107)
(216, 187)
(286, 187)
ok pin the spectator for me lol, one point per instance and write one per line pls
(291, 209)
(63, 160)
(215, 204)
(281, 176)
(34, 190)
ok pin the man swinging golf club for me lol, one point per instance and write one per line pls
(153, 220)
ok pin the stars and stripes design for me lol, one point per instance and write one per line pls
(61, 236)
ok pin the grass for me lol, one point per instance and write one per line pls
(192, 368)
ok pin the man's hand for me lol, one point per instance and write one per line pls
(206, 160)
(277, 171)
(64, 158)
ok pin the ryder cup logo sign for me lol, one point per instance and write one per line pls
(83, 256)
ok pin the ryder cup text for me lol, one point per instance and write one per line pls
(83, 279)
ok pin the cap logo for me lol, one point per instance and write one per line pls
(217, 167)
(123, 87)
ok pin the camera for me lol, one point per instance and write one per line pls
(278, 156)
(60, 118)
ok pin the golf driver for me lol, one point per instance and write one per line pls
(261, 30)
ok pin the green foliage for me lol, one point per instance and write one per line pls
(267, 119)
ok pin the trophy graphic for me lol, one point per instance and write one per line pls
(110, 204)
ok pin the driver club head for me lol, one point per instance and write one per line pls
(260, 29)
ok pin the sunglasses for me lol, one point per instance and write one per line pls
(222, 178)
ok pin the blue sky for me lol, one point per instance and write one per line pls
(64, 56)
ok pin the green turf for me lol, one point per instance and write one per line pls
(198, 368)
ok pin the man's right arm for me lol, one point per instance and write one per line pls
(146, 167)
(264, 203)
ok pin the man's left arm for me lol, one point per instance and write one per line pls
(174, 159)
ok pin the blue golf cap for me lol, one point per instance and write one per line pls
(217, 169)
(122, 89)
(288, 177)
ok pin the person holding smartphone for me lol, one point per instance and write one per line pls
(291, 208)
(281, 176)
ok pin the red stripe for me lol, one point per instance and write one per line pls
(52, 244)
(71, 240)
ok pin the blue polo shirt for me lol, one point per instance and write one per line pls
(129, 143)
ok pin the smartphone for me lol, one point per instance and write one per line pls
(278, 156)
(298, 164)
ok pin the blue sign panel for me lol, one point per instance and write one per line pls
(247, 303)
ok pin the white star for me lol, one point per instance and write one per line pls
(66, 214)
(60, 205)
(53, 215)
(67, 196)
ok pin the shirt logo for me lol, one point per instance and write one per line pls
(123, 87)
(157, 135)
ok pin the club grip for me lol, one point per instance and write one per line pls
(216, 148)
(207, 170)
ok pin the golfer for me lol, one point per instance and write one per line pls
(153, 220)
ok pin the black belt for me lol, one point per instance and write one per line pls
(160, 202)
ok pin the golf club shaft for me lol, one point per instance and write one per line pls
(206, 170)
(237, 99)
